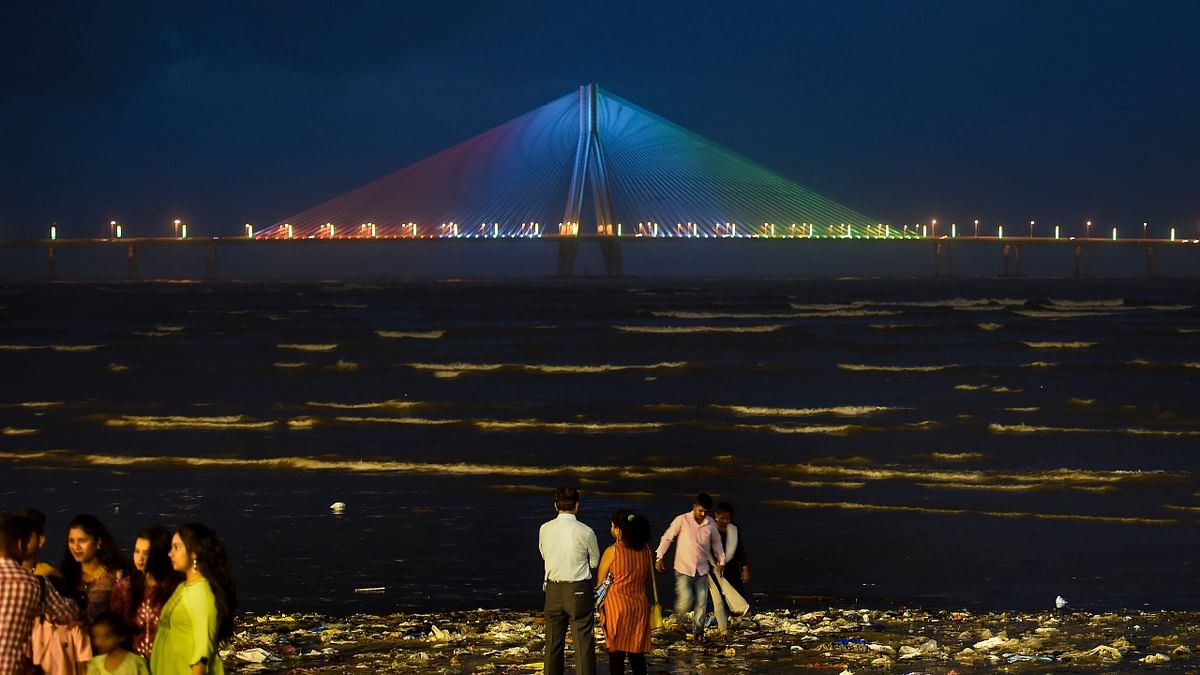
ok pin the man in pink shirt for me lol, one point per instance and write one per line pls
(697, 536)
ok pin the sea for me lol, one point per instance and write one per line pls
(980, 443)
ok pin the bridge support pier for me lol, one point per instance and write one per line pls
(940, 247)
(131, 257)
(210, 263)
(52, 262)
(1151, 262)
(614, 266)
(1082, 262)
(567, 250)
(1012, 259)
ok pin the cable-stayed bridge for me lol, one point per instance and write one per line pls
(592, 167)
(588, 165)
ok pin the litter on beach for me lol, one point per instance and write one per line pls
(371, 589)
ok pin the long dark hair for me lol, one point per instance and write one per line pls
(202, 542)
(108, 551)
(635, 529)
(158, 565)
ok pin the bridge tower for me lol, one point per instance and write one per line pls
(591, 168)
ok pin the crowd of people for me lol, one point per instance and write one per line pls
(583, 584)
(166, 611)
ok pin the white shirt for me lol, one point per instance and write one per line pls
(569, 548)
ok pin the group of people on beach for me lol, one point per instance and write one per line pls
(100, 613)
(582, 584)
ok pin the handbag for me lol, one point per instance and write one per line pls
(656, 617)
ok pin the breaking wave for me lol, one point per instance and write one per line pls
(860, 506)
(175, 422)
(1049, 344)
(414, 335)
(864, 367)
(841, 410)
(308, 347)
(55, 348)
(684, 330)
(1127, 431)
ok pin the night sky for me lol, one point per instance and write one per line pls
(222, 114)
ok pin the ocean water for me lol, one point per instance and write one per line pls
(947, 443)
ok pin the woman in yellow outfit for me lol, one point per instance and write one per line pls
(198, 617)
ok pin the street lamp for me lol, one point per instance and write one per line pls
(114, 229)
(249, 231)
(1031, 229)
(1087, 233)
(976, 228)
(1144, 230)
(177, 222)
(933, 228)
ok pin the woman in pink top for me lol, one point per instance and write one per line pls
(139, 597)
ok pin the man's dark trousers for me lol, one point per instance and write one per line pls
(570, 602)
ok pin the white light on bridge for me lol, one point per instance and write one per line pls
(1114, 234)
(924, 230)
(953, 230)
(183, 231)
(177, 223)
(999, 231)
(291, 232)
(1057, 231)
(329, 226)
(249, 231)
(53, 232)
(1172, 234)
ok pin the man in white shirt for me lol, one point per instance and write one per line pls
(571, 553)
(698, 538)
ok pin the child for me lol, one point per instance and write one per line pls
(110, 638)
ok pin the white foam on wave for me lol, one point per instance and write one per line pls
(1103, 303)
(389, 403)
(826, 307)
(1023, 409)
(989, 326)
(955, 456)
(968, 304)
(299, 347)
(414, 421)
(173, 422)
(456, 369)
(1058, 314)
(1052, 344)
(290, 364)
(18, 431)
(308, 464)
(899, 326)
(410, 334)
(1126, 431)
(815, 314)
(825, 429)
(1039, 364)
(840, 410)
(33, 404)
(864, 367)
(684, 330)
(567, 427)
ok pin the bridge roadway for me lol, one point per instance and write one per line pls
(942, 247)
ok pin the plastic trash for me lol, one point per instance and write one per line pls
(255, 655)
(338, 507)
(371, 589)
(1060, 602)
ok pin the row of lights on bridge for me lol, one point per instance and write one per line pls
(116, 230)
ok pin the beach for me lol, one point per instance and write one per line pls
(836, 641)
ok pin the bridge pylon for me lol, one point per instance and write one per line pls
(590, 168)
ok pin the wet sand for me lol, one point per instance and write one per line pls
(782, 641)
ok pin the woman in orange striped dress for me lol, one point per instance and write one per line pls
(625, 614)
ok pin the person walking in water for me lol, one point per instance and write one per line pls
(737, 566)
(571, 554)
(697, 537)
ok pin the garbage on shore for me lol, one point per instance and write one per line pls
(832, 641)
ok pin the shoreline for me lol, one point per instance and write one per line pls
(833, 640)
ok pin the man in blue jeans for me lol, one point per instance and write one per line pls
(697, 536)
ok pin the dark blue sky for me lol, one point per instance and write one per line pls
(249, 112)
